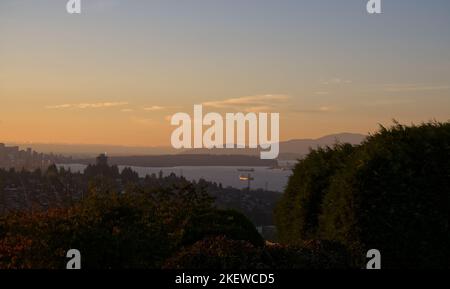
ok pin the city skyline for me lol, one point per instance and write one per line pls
(117, 72)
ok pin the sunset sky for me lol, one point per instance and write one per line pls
(115, 73)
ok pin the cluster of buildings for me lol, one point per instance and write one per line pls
(13, 157)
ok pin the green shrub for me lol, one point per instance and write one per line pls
(391, 193)
(296, 214)
(394, 196)
(218, 253)
(311, 254)
(231, 224)
(111, 231)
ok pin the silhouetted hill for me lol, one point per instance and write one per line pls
(185, 160)
(292, 149)
(289, 150)
(92, 150)
(300, 147)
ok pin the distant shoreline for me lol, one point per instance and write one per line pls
(229, 176)
(183, 160)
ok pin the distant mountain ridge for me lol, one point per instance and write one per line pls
(92, 150)
(184, 160)
(300, 147)
(289, 150)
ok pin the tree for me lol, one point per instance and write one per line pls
(391, 193)
(297, 212)
(231, 224)
(218, 253)
(129, 176)
(394, 195)
(110, 230)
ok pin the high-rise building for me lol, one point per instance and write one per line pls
(102, 160)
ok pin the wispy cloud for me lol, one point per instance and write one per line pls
(321, 109)
(325, 108)
(87, 105)
(143, 121)
(388, 102)
(256, 109)
(336, 81)
(414, 87)
(127, 110)
(154, 108)
(250, 103)
(59, 106)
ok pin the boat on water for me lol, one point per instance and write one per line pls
(246, 178)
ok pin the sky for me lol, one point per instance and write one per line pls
(116, 73)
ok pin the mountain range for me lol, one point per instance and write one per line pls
(289, 150)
